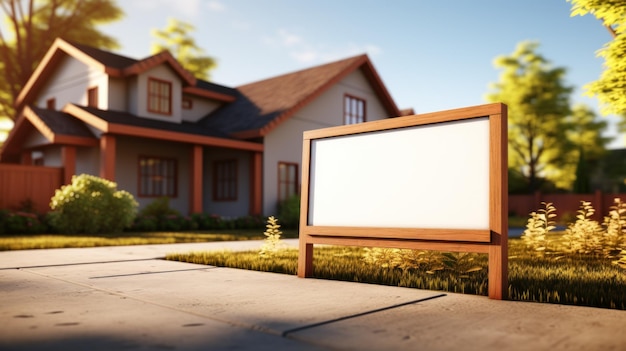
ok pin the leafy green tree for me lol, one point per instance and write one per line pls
(175, 38)
(589, 144)
(539, 105)
(32, 27)
(586, 131)
(610, 88)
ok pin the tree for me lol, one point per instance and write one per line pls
(610, 88)
(586, 135)
(175, 38)
(586, 131)
(581, 184)
(538, 101)
(33, 25)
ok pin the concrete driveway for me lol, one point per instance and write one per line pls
(116, 298)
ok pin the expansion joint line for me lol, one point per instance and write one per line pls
(314, 325)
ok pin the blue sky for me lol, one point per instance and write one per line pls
(431, 54)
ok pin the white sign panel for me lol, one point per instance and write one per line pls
(428, 176)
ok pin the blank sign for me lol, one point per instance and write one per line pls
(429, 176)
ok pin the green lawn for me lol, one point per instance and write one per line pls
(572, 280)
(54, 241)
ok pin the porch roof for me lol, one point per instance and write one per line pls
(123, 123)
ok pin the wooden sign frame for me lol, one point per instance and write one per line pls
(491, 240)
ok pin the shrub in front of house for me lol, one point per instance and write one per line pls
(249, 222)
(21, 222)
(158, 216)
(204, 221)
(91, 205)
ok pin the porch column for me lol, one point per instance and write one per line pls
(256, 183)
(107, 157)
(68, 157)
(195, 183)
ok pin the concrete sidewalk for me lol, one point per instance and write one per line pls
(115, 298)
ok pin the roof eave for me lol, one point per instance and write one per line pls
(208, 94)
(380, 88)
(143, 132)
(11, 147)
(155, 60)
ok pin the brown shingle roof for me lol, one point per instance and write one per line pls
(262, 105)
(124, 118)
(62, 123)
(107, 58)
(283, 92)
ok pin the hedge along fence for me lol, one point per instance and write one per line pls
(567, 204)
(33, 185)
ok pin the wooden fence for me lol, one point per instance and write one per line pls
(20, 184)
(566, 204)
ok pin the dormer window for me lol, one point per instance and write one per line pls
(159, 96)
(353, 110)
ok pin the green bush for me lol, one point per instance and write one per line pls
(205, 221)
(158, 215)
(91, 205)
(20, 222)
(289, 212)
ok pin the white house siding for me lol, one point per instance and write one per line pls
(35, 139)
(88, 160)
(284, 144)
(237, 208)
(116, 97)
(70, 82)
(200, 108)
(128, 151)
(52, 156)
(132, 91)
(140, 106)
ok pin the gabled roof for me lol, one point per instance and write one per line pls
(56, 126)
(251, 111)
(262, 105)
(115, 66)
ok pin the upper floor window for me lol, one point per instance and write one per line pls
(51, 104)
(157, 176)
(225, 180)
(353, 110)
(287, 180)
(92, 97)
(159, 96)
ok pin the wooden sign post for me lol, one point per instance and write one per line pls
(435, 181)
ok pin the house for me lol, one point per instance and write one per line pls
(155, 130)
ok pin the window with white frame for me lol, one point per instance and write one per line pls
(159, 96)
(353, 110)
(287, 180)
